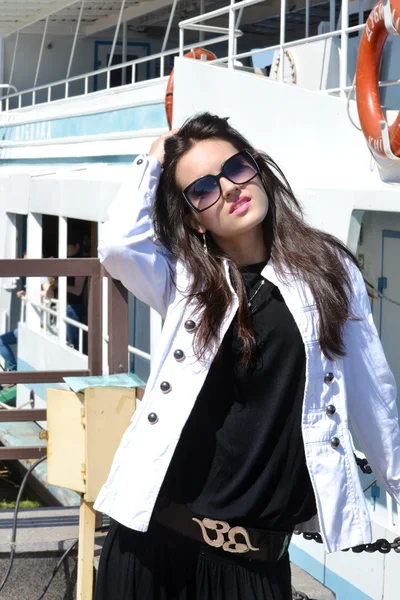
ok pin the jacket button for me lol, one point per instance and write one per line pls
(179, 354)
(139, 162)
(165, 387)
(330, 409)
(189, 325)
(152, 418)
(335, 442)
(329, 377)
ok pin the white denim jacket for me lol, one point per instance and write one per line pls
(360, 385)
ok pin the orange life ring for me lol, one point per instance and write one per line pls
(169, 96)
(367, 77)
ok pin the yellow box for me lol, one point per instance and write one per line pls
(84, 431)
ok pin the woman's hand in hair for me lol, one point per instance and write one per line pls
(157, 148)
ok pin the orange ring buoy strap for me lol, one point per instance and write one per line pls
(197, 53)
(367, 78)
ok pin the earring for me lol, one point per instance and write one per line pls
(205, 243)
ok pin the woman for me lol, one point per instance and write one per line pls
(267, 349)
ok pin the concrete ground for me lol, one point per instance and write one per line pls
(44, 534)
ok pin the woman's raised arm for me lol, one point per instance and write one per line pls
(127, 248)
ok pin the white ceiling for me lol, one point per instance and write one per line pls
(63, 14)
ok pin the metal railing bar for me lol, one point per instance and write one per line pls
(39, 62)
(213, 29)
(137, 352)
(292, 44)
(218, 12)
(350, 87)
(40, 376)
(14, 57)
(22, 452)
(136, 61)
(51, 267)
(17, 415)
(95, 322)
(78, 24)
(41, 307)
(76, 324)
(168, 30)
(121, 11)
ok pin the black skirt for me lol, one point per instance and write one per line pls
(164, 565)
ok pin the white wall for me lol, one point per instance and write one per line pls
(375, 575)
(54, 59)
(371, 247)
(309, 135)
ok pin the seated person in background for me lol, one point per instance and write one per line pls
(10, 338)
(76, 292)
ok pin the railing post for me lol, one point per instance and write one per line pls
(231, 40)
(117, 327)
(34, 250)
(332, 7)
(344, 39)
(121, 12)
(62, 282)
(95, 323)
(282, 40)
(41, 52)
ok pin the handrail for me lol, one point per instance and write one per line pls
(88, 267)
(197, 23)
(107, 70)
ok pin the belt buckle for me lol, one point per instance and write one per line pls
(226, 536)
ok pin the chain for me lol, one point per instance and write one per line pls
(381, 545)
(299, 595)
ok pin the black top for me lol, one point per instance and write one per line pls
(241, 457)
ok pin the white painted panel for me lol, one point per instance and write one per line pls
(390, 316)
(364, 571)
(102, 101)
(307, 133)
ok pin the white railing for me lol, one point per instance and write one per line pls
(229, 35)
(233, 8)
(51, 329)
(45, 312)
(86, 77)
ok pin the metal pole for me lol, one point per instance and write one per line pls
(202, 8)
(307, 18)
(332, 24)
(62, 281)
(167, 32)
(239, 17)
(282, 38)
(124, 54)
(71, 58)
(116, 33)
(360, 16)
(231, 40)
(344, 39)
(181, 40)
(13, 60)
(41, 51)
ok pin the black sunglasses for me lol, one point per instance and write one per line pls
(206, 191)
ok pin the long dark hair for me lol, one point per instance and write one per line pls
(312, 255)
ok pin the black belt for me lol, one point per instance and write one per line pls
(243, 541)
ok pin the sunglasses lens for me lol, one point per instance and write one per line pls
(203, 192)
(240, 169)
